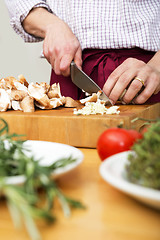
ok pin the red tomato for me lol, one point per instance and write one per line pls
(112, 141)
(135, 134)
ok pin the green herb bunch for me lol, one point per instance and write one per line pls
(144, 166)
(35, 198)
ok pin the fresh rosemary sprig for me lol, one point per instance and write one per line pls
(25, 202)
(144, 166)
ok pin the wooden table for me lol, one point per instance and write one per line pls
(110, 214)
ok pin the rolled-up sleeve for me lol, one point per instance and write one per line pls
(18, 11)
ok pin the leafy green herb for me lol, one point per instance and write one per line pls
(144, 165)
(24, 202)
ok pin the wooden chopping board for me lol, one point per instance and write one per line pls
(61, 125)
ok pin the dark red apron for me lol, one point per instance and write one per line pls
(98, 64)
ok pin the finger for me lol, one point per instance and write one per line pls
(49, 55)
(146, 93)
(56, 65)
(67, 59)
(65, 64)
(115, 75)
(122, 83)
(78, 58)
(152, 85)
(131, 64)
(57, 56)
(113, 78)
(134, 88)
(45, 51)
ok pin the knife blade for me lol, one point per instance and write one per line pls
(84, 82)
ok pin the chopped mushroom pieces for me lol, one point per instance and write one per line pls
(96, 108)
(54, 91)
(43, 102)
(23, 80)
(17, 95)
(16, 105)
(56, 102)
(92, 98)
(36, 91)
(20, 95)
(70, 102)
(27, 104)
(4, 100)
(93, 105)
(24, 96)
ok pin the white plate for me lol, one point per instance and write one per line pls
(48, 153)
(112, 171)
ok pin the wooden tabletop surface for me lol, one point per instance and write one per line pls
(110, 214)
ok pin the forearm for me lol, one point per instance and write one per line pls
(155, 61)
(38, 21)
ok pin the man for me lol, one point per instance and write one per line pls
(117, 43)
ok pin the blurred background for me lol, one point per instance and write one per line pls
(17, 57)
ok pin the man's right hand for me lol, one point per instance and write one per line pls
(60, 45)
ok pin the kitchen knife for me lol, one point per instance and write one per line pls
(84, 82)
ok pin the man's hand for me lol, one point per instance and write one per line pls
(123, 77)
(61, 47)
(60, 44)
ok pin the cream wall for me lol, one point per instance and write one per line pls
(17, 57)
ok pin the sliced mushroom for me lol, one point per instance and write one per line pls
(92, 98)
(5, 101)
(44, 102)
(16, 105)
(12, 83)
(54, 91)
(8, 83)
(53, 94)
(70, 102)
(19, 86)
(27, 104)
(17, 95)
(23, 80)
(36, 91)
(45, 86)
(56, 102)
(3, 84)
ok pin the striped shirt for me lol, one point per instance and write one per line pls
(98, 24)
